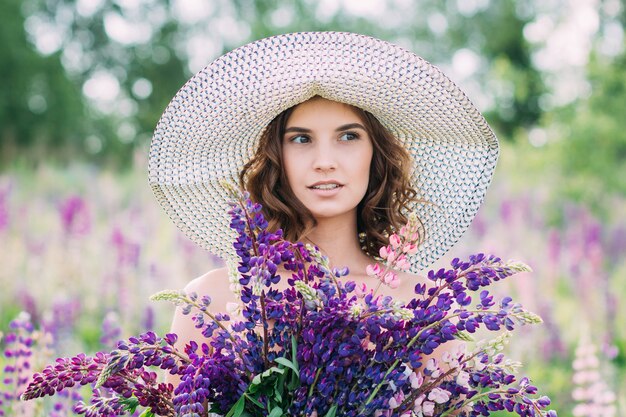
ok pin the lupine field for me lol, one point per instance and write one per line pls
(83, 249)
(83, 244)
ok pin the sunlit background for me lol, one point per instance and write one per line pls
(83, 243)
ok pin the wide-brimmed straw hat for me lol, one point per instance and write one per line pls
(211, 128)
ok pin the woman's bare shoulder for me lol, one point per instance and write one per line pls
(208, 279)
(215, 284)
(408, 281)
(412, 278)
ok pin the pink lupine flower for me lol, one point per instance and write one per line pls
(391, 279)
(393, 403)
(396, 400)
(410, 248)
(439, 395)
(394, 241)
(463, 379)
(428, 408)
(373, 270)
(361, 290)
(402, 263)
(416, 379)
(433, 368)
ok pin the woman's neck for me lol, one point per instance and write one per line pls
(338, 239)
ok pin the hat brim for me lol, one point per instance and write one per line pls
(212, 127)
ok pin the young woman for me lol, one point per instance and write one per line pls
(326, 172)
(339, 136)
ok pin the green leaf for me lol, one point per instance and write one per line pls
(147, 413)
(331, 411)
(259, 377)
(276, 412)
(130, 404)
(237, 409)
(294, 383)
(254, 401)
(277, 388)
(286, 362)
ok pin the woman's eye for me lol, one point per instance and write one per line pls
(349, 136)
(300, 139)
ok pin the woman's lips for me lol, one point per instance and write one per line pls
(326, 189)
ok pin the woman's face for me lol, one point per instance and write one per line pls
(326, 156)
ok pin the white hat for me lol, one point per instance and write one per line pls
(212, 126)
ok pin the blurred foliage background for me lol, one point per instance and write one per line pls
(85, 81)
(88, 79)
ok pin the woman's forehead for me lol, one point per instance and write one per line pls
(317, 109)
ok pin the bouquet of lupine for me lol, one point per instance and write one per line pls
(324, 346)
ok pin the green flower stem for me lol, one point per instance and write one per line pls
(317, 375)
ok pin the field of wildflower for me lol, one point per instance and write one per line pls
(83, 249)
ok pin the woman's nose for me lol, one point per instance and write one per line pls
(325, 157)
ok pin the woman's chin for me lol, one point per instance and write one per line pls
(324, 214)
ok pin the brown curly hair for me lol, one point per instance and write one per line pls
(389, 192)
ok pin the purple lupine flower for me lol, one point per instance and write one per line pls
(65, 313)
(617, 243)
(127, 250)
(356, 351)
(4, 208)
(75, 216)
(111, 330)
(17, 359)
(148, 318)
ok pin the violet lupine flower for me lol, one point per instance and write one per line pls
(128, 251)
(148, 318)
(63, 318)
(17, 358)
(4, 208)
(357, 353)
(23, 345)
(111, 330)
(118, 375)
(75, 217)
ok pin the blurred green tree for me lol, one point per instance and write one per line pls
(146, 49)
(40, 106)
(45, 111)
(591, 151)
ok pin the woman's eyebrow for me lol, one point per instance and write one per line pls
(339, 129)
(297, 129)
(350, 126)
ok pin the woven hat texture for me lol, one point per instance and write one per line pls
(212, 126)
